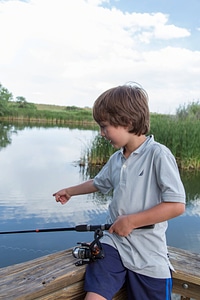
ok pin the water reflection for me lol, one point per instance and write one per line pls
(6, 132)
(37, 161)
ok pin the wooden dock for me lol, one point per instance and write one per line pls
(55, 277)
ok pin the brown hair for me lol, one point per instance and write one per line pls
(125, 105)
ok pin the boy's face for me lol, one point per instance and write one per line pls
(117, 136)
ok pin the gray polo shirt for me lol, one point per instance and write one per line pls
(146, 178)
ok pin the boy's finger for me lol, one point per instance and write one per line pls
(111, 229)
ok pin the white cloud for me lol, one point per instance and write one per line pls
(67, 52)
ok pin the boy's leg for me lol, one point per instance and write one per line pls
(93, 296)
(141, 287)
(106, 276)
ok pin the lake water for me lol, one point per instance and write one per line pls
(37, 161)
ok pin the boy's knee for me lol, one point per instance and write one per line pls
(93, 296)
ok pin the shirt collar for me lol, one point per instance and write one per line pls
(148, 140)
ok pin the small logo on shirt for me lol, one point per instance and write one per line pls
(141, 173)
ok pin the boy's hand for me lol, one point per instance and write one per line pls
(62, 196)
(121, 226)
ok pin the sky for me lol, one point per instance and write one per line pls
(68, 52)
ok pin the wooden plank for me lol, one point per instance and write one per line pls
(72, 292)
(193, 290)
(55, 277)
(186, 262)
(186, 279)
(40, 276)
(75, 292)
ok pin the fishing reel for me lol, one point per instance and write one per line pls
(89, 252)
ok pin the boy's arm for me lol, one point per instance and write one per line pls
(64, 195)
(162, 212)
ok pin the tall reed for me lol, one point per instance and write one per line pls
(99, 151)
(181, 136)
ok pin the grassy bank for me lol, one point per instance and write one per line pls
(43, 113)
(180, 133)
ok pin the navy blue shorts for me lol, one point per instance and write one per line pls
(106, 276)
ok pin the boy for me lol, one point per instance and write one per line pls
(147, 189)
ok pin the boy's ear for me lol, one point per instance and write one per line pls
(129, 127)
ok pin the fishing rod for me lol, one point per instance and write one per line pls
(80, 228)
(85, 252)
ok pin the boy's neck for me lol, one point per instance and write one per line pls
(134, 143)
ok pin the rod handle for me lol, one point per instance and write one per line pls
(104, 227)
(92, 227)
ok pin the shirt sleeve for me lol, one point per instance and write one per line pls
(102, 181)
(168, 177)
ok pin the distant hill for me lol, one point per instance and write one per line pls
(54, 107)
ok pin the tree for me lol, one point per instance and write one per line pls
(5, 96)
(21, 101)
